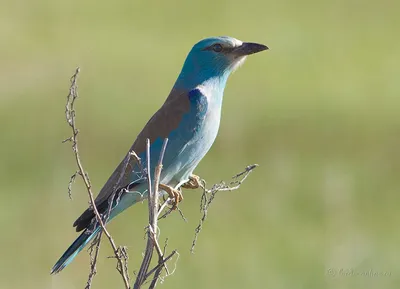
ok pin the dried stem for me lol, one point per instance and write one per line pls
(70, 117)
(70, 183)
(209, 194)
(94, 253)
(154, 212)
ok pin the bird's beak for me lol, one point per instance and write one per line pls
(248, 48)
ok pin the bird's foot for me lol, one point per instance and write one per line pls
(193, 183)
(174, 194)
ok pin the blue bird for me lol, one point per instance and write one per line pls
(189, 118)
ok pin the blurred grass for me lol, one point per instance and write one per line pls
(318, 112)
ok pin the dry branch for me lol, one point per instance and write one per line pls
(154, 213)
(209, 194)
(70, 117)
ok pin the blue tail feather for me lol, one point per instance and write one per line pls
(74, 249)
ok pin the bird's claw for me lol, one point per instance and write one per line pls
(193, 183)
(174, 194)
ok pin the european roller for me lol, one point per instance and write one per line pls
(189, 118)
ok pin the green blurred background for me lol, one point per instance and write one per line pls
(318, 112)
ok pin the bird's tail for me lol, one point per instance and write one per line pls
(74, 249)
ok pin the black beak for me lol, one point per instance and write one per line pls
(248, 48)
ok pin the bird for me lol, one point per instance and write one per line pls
(189, 118)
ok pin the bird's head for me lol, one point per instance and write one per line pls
(216, 57)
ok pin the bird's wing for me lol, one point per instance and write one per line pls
(128, 174)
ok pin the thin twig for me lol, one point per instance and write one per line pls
(170, 210)
(95, 246)
(140, 278)
(163, 206)
(153, 216)
(209, 194)
(70, 183)
(182, 215)
(70, 117)
(160, 265)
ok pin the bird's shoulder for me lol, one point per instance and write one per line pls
(160, 125)
(167, 119)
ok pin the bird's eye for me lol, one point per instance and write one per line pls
(217, 47)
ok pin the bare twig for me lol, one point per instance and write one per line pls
(154, 212)
(70, 183)
(94, 253)
(162, 207)
(182, 215)
(140, 278)
(170, 210)
(70, 117)
(209, 194)
(157, 269)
